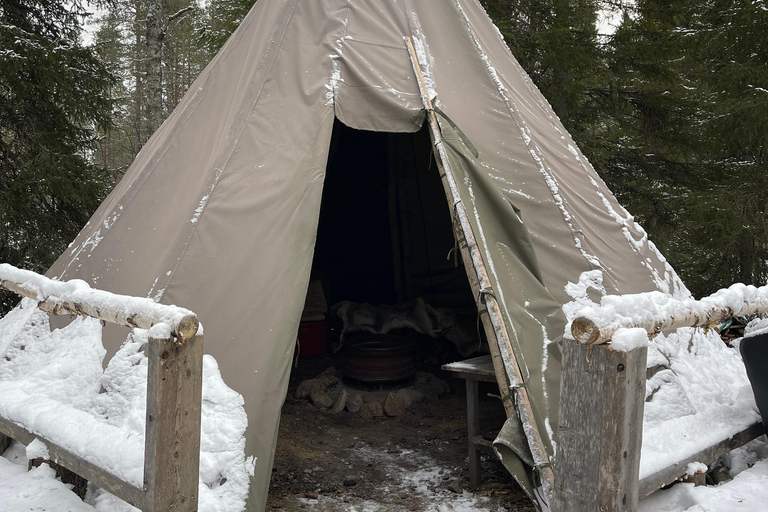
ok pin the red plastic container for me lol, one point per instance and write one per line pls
(313, 338)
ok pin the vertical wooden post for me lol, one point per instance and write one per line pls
(602, 397)
(172, 446)
(473, 429)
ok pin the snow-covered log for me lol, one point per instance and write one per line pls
(170, 480)
(656, 312)
(76, 297)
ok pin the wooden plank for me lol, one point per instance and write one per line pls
(74, 463)
(470, 368)
(600, 429)
(508, 372)
(676, 471)
(473, 430)
(174, 400)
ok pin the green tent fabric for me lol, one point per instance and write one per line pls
(535, 317)
(219, 212)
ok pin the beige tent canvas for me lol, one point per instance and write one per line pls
(316, 103)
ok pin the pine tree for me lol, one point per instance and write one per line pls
(556, 43)
(682, 134)
(221, 18)
(728, 52)
(53, 94)
(122, 40)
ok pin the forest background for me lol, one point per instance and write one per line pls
(670, 105)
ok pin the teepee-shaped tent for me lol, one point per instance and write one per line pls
(219, 213)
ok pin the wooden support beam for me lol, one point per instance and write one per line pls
(677, 471)
(76, 464)
(602, 397)
(505, 363)
(172, 445)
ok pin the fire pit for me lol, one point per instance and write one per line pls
(378, 358)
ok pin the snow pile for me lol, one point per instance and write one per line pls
(756, 327)
(626, 340)
(697, 394)
(36, 489)
(747, 492)
(52, 383)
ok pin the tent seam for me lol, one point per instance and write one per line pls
(513, 116)
(277, 43)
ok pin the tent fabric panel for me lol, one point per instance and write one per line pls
(605, 231)
(247, 164)
(531, 313)
(376, 90)
(264, 210)
(378, 21)
(189, 149)
(468, 94)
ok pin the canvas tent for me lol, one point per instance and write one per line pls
(219, 212)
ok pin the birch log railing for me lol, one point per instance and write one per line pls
(602, 398)
(174, 390)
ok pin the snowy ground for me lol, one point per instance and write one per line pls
(38, 490)
(53, 383)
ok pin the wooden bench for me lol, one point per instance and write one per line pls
(473, 371)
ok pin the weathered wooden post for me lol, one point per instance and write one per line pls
(172, 446)
(602, 397)
(174, 390)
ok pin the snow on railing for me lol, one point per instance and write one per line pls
(174, 392)
(76, 297)
(603, 388)
(656, 312)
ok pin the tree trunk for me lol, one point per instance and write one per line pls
(154, 80)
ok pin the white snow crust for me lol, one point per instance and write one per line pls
(52, 383)
(627, 340)
(747, 492)
(76, 290)
(616, 311)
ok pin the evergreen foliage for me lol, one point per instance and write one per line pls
(53, 94)
(671, 109)
(121, 43)
(729, 61)
(220, 19)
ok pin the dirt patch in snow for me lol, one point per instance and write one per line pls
(414, 462)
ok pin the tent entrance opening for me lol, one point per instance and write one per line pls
(385, 255)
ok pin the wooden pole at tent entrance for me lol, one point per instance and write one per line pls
(505, 364)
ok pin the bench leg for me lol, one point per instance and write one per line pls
(473, 429)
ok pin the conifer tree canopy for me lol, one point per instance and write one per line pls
(51, 99)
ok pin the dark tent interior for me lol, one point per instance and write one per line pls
(385, 233)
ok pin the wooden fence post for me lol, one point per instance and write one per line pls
(602, 397)
(172, 446)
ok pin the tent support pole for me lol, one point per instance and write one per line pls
(505, 364)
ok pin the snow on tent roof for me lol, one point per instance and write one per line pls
(219, 211)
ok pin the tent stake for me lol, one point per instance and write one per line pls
(502, 354)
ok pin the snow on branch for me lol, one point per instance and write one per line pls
(76, 297)
(656, 312)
